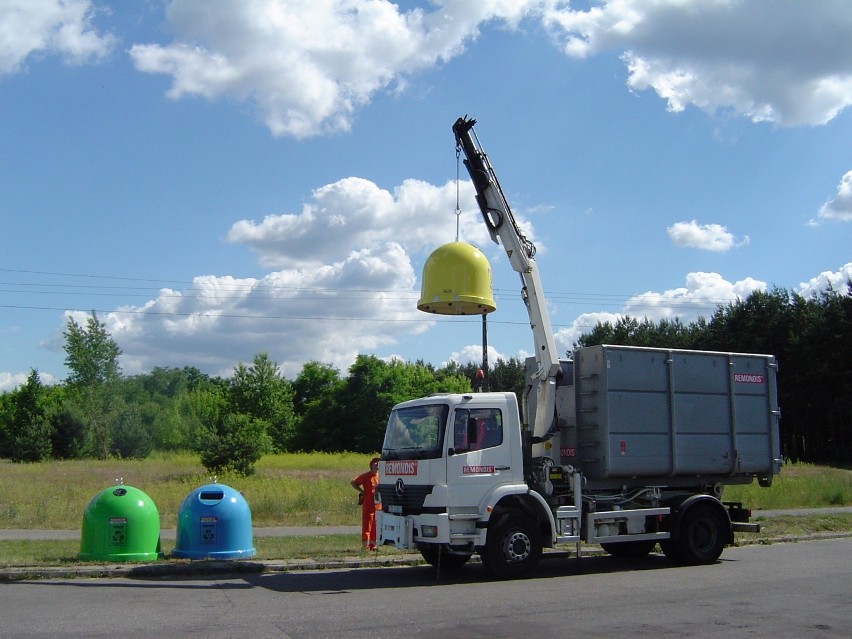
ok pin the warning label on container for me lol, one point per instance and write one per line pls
(208, 531)
(117, 531)
(748, 378)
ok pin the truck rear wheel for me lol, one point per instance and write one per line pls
(439, 557)
(703, 535)
(629, 549)
(513, 547)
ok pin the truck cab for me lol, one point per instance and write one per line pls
(447, 460)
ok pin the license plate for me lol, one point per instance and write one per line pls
(395, 509)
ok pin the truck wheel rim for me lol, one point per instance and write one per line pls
(518, 546)
(704, 535)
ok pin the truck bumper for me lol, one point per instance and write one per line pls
(406, 532)
(394, 530)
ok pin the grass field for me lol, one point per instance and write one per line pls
(305, 490)
(798, 486)
(287, 490)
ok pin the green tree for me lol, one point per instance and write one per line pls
(316, 392)
(70, 431)
(262, 393)
(130, 438)
(316, 382)
(30, 429)
(91, 353)
(92, 357)
(508, 375)
(158, 399)
(371, 390)
(196, 415)
(7, 410)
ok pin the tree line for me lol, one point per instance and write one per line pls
(232, 422)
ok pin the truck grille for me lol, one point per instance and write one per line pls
(411, 500)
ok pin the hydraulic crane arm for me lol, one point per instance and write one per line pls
(521, 252)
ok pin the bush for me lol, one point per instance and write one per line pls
(238, 442)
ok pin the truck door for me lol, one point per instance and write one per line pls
(477, 455)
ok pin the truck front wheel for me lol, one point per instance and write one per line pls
(513, 547)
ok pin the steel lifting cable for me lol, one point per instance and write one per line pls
(458, 182)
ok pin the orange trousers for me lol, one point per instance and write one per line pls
(368, 527)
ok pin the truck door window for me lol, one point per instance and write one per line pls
(477, 429)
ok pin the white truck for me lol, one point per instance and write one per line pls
(619, 446)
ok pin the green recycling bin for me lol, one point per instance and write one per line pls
(120, 524)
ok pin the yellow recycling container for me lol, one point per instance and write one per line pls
(456, 281)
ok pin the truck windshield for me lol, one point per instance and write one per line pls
(416, 432)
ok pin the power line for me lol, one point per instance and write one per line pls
(291, 294)
(442, 319)
(314, 293)
(575, 296)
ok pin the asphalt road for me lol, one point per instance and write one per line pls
(782, 590)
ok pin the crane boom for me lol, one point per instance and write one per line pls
(521, 253)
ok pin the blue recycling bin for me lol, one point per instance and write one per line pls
(214, 522)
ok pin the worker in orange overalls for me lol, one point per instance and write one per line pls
(365, 484)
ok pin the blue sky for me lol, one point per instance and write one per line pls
(218, 179)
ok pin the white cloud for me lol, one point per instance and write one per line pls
(699, 297)
(51, 27)
(10, 381)
(330, 294)
(708, 237)
(342, 284)
(309, 65)
(472, 353)
(828, 279)
(790, 64)
(362, 302)
(838, 208)
(354, 213)
(567, 336)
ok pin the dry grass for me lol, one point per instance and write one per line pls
(287, 490)
(294, 490)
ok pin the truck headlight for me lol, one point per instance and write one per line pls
(429, 531)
